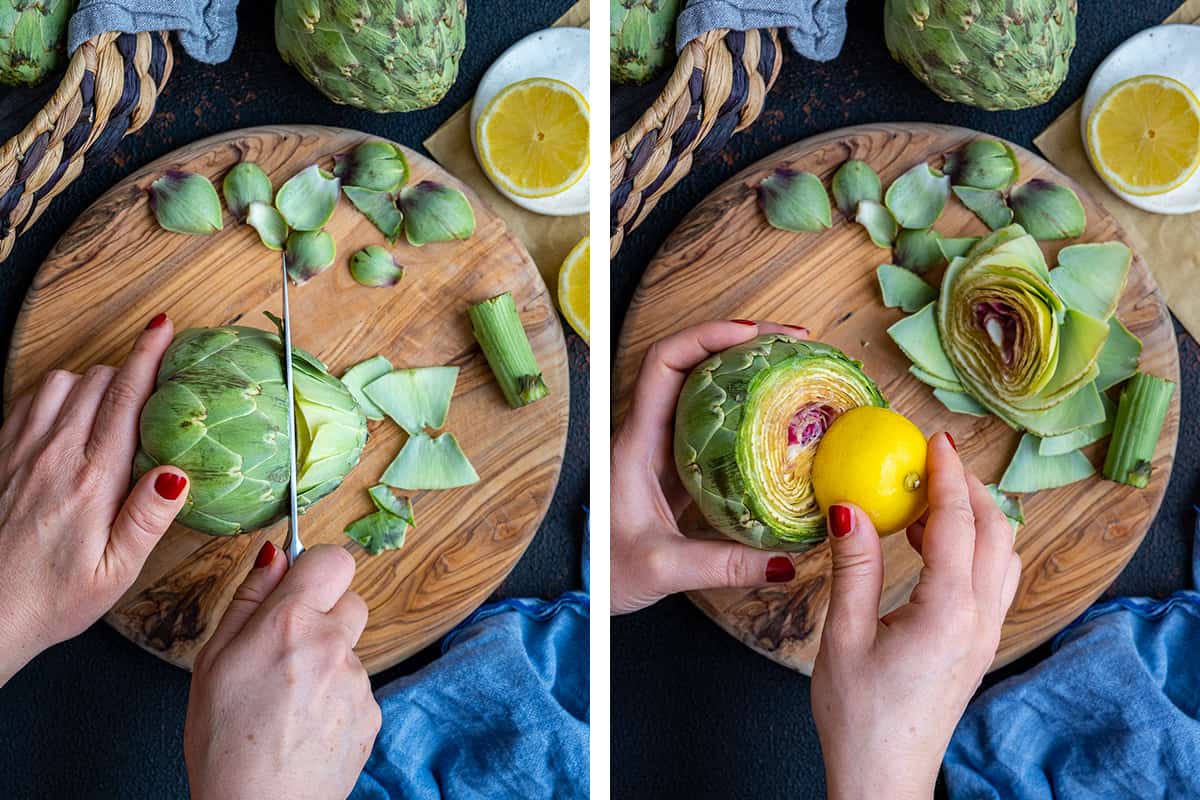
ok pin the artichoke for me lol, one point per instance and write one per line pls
(219, 413)
(988, 53)
(33, 39)
(747, 426)
(641, 38)
(381, 55)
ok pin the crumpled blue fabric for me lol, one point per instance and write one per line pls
(1114, 713)
(503, 713)
(207, 28)
(816, 28)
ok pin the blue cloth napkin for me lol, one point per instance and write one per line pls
(1114, 713)
(206, 28)
(816, 28)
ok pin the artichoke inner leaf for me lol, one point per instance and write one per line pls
(917, 336)
(1119, 358)
(1091, 277)
(1030, 472)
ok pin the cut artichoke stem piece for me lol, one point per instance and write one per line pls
(378, 532)
(935, 381)
(244, 184)
(747, 425)
(416, 398)
(429, 463)
(380, 208)
(307, 199)
(497, 327)
(1119, 358)
(960, 403)
(184, 202)
(853, 183)
(1141, 413)
(953, 248)
(1091, 277)
(918, 250)
(373, 266)
(917, 197)
(272, 230)
(436, 213)
(1047, 210)
(1030, 472)
(917, 336)
(902, 289)
(376, 165)
(878, 221)
(795, 201)
(308, 254)
(1077, 440)
(385, 500)
(359, 376)
(987, 204)
(1011, 507)
(983, 164)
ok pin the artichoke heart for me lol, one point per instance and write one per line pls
(219, 413)
(746, 430)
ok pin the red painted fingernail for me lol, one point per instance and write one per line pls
(803, 330)
(841, 520)
(950, 439)
(157, 322)
(265, 556)
(780, 569)
(744, 321)
(169, 485)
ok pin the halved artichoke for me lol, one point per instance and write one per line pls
(747, 426)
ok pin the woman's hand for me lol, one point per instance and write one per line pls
(73, 536)
(280, 705)
(651, 558)
(887, 694)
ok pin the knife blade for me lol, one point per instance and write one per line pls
(294, 546)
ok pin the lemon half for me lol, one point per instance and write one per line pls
(573, 287)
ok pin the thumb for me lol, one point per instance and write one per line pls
(686, 564)
(266, 574)
(147, 513)
(853, 614)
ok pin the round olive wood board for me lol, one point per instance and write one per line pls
(725, 262)
(115, 268)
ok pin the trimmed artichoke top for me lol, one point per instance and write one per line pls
(747, 425)
(219, 413)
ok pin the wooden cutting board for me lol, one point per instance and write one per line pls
(115, 268)
(725, 262)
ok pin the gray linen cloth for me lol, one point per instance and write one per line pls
(206, 28)
(816, 28)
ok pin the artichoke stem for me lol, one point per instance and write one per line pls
(1141, 412)
(497, 328)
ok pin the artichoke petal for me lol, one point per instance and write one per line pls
(380, 208)
(878, 221)
(952, 248)
(375, 267)
(429, 463)
(853, 183)
(987, 204)
(376, 165)
(1047, 210)
(436, 213)
(379, 531)
(795, 201)
(1030, 472)
(244, 184)
(359, 376)
(960, 403)
(415, 398)
(307, 199)
(983, 164)
(184, 202)
(1119, 358)
(918, 250)
(308, 254)
(272, 230)
(1092, 277)
(917, 197)
(902, 289)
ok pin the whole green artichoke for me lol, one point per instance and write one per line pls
(747, 426)
(381, 55)
(641, 38)
(988, 53)
(33, 39)
(219, 413)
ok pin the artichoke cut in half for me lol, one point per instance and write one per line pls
(219, 413)
(746, 430)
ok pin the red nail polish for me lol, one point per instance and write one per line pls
(157, 322)
(950, 439)
(265, 556)
(169, 485)
(744, 321)
(780, 569)
(803, 330)
(841, 520)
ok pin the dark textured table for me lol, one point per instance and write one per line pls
(695, 713)
(96, 717)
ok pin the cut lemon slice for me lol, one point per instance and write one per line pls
(533, 137)
(573, 287)
(1144, 135)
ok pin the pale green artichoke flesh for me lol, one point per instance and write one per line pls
(381, 55)
(33, 39)
(219, 413)
(641, 38)
(746, 429)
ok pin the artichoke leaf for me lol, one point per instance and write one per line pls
(953, 247)
(378, 532)
(795, 201)
(1080, 410)
(1119, 358)
(878, 222)
(415, 398)
(1091, 277)
(983, 164)
(934, 381)
(307, 254)
(244, 184)
(380, 208)
(1030, 472)
(960, 403)
(374, 165)
(1077, 440)
(307, 199)
(902, 289)
(1081, 338)
(385, 500)
(359, 376)
(428, 463)
(987, 204)
(855, 182)
(1047, 210)
(917, 197)
(917, 336)
(1011, 507)
(184, 202)
(918, 250)
(268, 222)
(436, 213)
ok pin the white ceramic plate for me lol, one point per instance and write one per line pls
(1169, 50)
(559, 53)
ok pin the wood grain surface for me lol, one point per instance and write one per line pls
(725, 262)
(115, 268)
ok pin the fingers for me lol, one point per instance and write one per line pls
(47, 403)
(79, 410)
(147, 513)
(993, 543)
(681, 564)
(853, 615)
(269, 569)
(318, 579)
(1012, 579)
(948, 540)
(115, 433)
(15, 420)
(350, 612)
